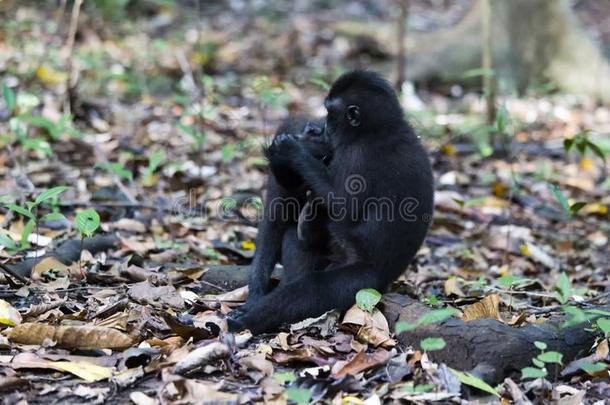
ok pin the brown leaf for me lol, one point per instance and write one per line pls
(363, 361)
(52, 264)
(488, 307)
(452, 287)
(70, 337)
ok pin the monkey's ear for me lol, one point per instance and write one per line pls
(353, 115)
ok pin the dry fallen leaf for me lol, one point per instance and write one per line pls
(52, 264)
(70, 337)
(202, 356)
(8, 314)
(488, 307)
(87, 371)
(362, 361)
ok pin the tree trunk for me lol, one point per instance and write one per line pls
(535, 42)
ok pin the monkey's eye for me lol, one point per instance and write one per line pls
(353, 115)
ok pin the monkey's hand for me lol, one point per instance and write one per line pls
(284, 149)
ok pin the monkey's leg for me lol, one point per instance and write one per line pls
(309, 295)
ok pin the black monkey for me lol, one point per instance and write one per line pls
(377, 194)
(286, 204)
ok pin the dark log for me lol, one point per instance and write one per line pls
(488, 348)
(67, 252)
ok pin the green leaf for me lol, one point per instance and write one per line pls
(577, 206)
(597, 311)
(538, 363)
(7, 242)
(564, 288)
(596, 150)
(604, 325)
(509, 281)
(26, 232)
(53, 216)
(367, 298)
(417, 389)
(551, 357)
(402, 326)
(21, 211)
(87, 221)
(459, 202)
(320, 82)
(432, 344)
(577, 316)
(560, 197)
(593, 368)
(532, 372)
(9, 97)
(567, 144)
(540, 345)
(471, 380)
(155, 160)
(285, 377)
(299, 395)
(502, 119)
(478, 72)
(49, 194)
(437, 316)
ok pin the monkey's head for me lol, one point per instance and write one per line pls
(362, 103)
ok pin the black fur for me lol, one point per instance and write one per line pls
(383, 222)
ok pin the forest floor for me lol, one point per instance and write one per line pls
(163, 139)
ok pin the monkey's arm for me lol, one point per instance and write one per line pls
(287, 154)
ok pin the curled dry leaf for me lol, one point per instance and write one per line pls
(488, 307)
(70, 337)
(372, 328)
(231, 298)
(202, 356)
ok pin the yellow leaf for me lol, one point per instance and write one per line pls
(352, 400)
(50, 76)
(8, 314)
(87, 371)
(448, 149)
(587, 164)
(525, 250)
(248, 245)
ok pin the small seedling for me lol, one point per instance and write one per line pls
(86, 222)
(30, 212)
(540, 362)
(367, 298)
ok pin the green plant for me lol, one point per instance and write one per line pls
(198, 136)
(432, 344)
(299, 395)
(367, 298)
(30, 211)
(429, 318)
(582, 143)
(86, 222)
(118, 169)
(540, 362)
(154, 162)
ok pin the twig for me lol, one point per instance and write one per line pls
(11, 273)
(402, 39)
(70, 82)
(556, 308)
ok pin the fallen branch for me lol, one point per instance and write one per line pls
(488, 348)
